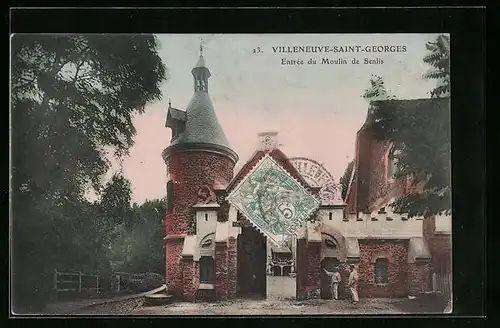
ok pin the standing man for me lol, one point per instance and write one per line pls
(353, 284)
(334, 282)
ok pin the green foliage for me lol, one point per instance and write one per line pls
(141, 246)
(377, 89)
(439, 58)
(71, 96)
(115, 200)
(420, 130)
(346, 178)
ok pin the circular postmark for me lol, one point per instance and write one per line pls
(316, 175)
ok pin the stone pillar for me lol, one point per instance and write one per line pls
(419, 275)
(344, 292)
(232, 266)
(221, 270)
(301, 270)
(190, 279)
(313, 270)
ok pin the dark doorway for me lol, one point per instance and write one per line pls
(331, 264)
(252, 259)
(207, 270)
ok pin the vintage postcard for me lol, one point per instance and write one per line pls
(231, 174)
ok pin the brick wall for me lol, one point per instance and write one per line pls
(363, 167)
(439, 246)
(370, 188)
(419, 274)
(344, 291)
(397, 255)
(313, 269)
(190, 279)
(301, 278)
(173, 270)
(190, 171)
(380, 190)
(232, 258)
(221, 271)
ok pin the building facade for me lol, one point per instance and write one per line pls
(215, 252)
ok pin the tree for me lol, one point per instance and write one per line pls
(439, 58)
(346, 178)
(141, 248)
(71, 96)
(115, 201)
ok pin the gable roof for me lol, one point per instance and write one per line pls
(278, 156)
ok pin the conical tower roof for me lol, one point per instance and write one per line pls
(202, 127)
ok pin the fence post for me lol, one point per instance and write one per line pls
(97, 286)
(119, 282)
(79, 281)
(434, 282)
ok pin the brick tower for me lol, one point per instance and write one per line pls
(198, 157)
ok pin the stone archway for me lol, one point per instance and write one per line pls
(333, 258)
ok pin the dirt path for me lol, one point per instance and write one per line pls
(281, 307)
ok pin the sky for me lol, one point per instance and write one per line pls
(316, 109)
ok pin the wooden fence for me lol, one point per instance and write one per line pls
(76, 282)
(81, 282)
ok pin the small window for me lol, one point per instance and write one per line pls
(206, 217)
(381, 271)
(207, 271)
(170, 194)
(392, 164)
(330, 216)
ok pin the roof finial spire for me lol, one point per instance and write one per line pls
(169, 102)
(201, 47)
